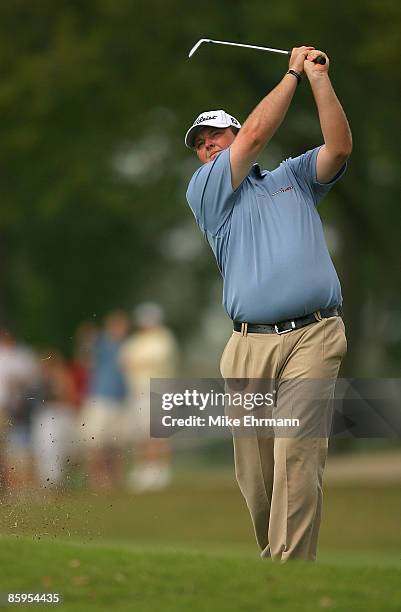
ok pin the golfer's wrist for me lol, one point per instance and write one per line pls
(318, 76)
(295, 75)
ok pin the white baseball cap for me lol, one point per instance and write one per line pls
(214, 118)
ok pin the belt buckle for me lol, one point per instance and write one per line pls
(285, 331)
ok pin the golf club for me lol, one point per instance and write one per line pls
(318, 60)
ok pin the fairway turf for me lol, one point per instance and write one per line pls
(191, 548)
(100, 577)
(202, 513)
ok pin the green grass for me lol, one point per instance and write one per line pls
(100, 577)
(202, 513)
(191, 548)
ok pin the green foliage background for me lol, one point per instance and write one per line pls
(86, 84)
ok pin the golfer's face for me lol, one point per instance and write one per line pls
(210, 141)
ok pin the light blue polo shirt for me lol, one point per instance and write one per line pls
(267, 238)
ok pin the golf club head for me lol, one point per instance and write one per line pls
(197, 45)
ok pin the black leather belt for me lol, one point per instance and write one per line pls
(283, 327)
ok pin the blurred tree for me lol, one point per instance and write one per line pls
(94, 100)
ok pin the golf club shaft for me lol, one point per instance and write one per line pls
(222, 42)
(319, 60)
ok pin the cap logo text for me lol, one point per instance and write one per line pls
(205, 118)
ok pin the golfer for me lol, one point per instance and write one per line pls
(281, 291)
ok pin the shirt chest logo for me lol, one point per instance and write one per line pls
(283, 190)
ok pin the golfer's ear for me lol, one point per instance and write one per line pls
(243, 154)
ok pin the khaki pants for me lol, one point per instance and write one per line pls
(281, 477)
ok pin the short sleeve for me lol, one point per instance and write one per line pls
(210, 194)
(304, 169)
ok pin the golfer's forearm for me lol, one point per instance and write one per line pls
(264, 120)
(333, 121)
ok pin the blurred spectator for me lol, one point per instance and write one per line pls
(85, 338)
(54, 434)
(18, 373)
(102, 415)
(152, 352)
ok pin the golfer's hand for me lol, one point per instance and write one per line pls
(311, 69)
(298, 56)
